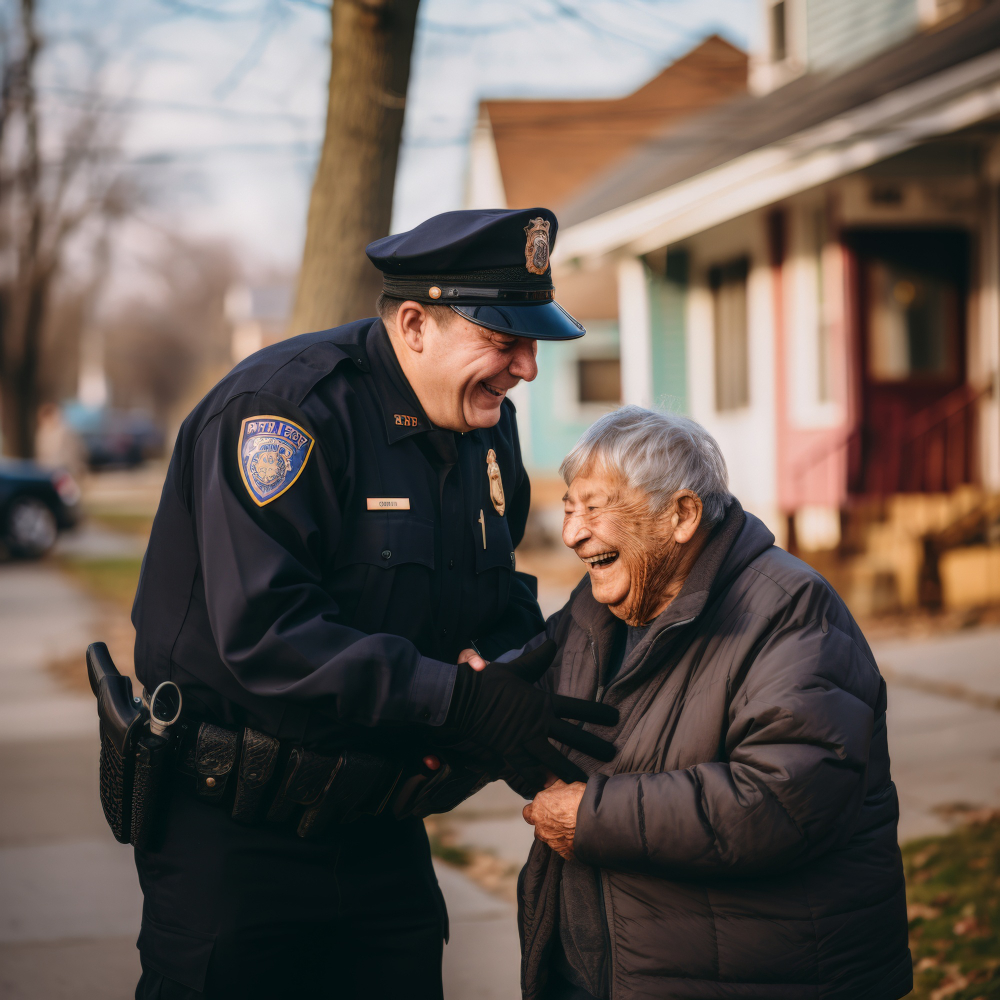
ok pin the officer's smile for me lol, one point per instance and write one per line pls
(493, 390)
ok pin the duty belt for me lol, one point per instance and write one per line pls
(260, 779)
(147, 748)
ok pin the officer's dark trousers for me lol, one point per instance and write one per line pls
(234, 911)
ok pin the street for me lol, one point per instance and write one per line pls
(70, 905)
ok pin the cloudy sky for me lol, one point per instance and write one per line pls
(221, 102)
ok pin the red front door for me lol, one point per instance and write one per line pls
(915, 434)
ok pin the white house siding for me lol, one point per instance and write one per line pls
(840, 33)
(747, 436)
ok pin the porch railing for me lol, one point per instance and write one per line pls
(936, 450)
(939, 443)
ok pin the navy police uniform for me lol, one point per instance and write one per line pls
(320, 556)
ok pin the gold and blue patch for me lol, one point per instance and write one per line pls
(273, 453)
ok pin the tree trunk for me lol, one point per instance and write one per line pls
(25, 301)
(351, 201)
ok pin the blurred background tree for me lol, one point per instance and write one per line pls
(370, 45)
(60, 180)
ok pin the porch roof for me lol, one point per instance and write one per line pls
(752, 151)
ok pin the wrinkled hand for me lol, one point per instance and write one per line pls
(553, 815)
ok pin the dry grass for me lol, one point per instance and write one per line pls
(111, 583)
(953, 899)
(482, 867)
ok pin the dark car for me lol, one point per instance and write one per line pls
(114, 438)
(35, 505)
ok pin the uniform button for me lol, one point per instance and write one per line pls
(210, 782)
(451, 564)
(444, 631)
(386, 554)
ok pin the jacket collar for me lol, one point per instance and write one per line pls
(401, 410)
(733, 545)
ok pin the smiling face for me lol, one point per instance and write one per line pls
(460, 372)
(637, 560)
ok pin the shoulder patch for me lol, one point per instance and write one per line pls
(273, 453)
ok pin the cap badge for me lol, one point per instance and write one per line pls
(536, 250)
(272, 453)
(496, 483)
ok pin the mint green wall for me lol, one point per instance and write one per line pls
(555, 418)
(667, 303)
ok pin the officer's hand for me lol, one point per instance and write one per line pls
(498, 715)
(471, 657)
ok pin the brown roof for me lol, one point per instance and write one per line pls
(550, 150)
(748, 123)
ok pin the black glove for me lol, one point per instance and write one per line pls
(499, 719)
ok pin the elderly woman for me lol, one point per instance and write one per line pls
(743, 842)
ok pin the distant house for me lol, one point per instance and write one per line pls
(813, 272)
(258, 315)
(541, 152)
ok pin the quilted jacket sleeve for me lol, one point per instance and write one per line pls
(789, 786)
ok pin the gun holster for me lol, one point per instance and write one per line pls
(135, 759)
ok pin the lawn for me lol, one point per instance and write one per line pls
(112, 580)
(953, 896)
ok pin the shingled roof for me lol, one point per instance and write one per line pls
(550, 150)
(742, 125)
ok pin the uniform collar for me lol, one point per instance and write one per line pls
(401, 410)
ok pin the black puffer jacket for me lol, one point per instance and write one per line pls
(743, 842)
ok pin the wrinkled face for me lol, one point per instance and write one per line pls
(471, 370)
(629, 553)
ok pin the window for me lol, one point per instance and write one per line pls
(779, 32)
(600, 380)
(728, 283)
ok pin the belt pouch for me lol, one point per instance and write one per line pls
(360, 786)
(214, 757)
(150, 789)
(307, 776)
(258, 756)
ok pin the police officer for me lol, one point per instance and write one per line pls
(336, 532)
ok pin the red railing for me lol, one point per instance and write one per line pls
(938, 447)
(934, 453)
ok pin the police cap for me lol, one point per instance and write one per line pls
(490, 265)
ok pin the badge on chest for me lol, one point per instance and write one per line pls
(273, 453)
(496, 483)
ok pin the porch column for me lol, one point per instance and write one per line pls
(989, 346)
(634, 332)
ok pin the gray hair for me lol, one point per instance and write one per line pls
(657, 454)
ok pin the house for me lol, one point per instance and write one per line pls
(812, 271)
(546, 152)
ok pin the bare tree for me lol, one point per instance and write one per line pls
(351, 203)
(163, 350)
(52, 182)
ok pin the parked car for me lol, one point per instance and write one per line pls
(35, 505)
(113, 437)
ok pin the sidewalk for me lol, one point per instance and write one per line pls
(70, 903)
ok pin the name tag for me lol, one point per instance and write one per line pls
(388, 503)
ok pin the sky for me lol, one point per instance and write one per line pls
(220, 103)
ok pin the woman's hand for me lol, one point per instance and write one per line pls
(553, 814)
